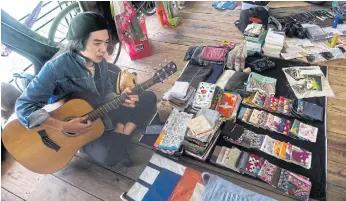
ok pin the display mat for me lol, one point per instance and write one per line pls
(317, 172)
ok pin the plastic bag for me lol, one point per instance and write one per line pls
(236, 58)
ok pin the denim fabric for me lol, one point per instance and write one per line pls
(20, 39)
(218, 189)
(61, 76)
(216, 73)
(195, 74)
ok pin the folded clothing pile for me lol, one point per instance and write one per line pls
(203, 131)
(237, 134)
(274, 43)
(263, 84)
(228, 105)
(256, 166)
(206, 96)
(205, 55)
(181, 95)
(265, 120)
(173, 133)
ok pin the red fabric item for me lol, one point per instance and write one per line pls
(213, 54)
(184, 189)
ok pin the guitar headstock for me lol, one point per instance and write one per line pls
(165, 72)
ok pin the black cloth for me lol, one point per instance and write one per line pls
(111, 147)
(194, 74)
(237, 83)
(317, 172)
(85, 23)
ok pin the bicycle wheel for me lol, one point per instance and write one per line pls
(58, 21)
(148, 8)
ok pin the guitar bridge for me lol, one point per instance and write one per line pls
(47, 141)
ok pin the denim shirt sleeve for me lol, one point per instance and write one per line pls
(29, 105)
(107, 80)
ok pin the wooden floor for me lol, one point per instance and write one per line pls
(202, 25)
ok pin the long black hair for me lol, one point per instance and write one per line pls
(79, 44)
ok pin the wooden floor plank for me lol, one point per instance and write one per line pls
(8, 196)
(337, 147)
(54, 189)
(94, 179)
(336, 193)
(17, 179)
(336, 122)
(337, 174)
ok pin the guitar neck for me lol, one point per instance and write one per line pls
(118, 101)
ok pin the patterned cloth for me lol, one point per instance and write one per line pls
(254, 165)
(187, 185)
(267, 172)
(174, 130)
(152, 184)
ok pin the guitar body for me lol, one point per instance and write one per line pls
(27, 147)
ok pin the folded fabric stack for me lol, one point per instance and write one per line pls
(206, 96)
(202, 134)
(274, 43)
(256, 166)
(254, 34)
(173, 133)
(237, 134)
(265, 120)
(205, 55)
(263, 84)
(181, 95)
(228, 105)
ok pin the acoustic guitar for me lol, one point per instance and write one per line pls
(46, 150)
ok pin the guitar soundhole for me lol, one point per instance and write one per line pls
(68, 133)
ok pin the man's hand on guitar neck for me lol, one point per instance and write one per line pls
(131, 102)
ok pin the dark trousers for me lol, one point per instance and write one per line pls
(111, 147)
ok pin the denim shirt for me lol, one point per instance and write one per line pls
(59, 77)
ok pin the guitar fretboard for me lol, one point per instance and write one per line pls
(117, 102)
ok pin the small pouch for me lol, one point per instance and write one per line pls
(227, 105)
(247, 115)
(254, 118)
(244, 158)
(259, 99)
(261, 65)
(307, 132)
(313, 111)
(267, 172)
(254, 165)
(268, 145)
(301, 157)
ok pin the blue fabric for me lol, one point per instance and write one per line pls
(163, 186)
(219, 189)
(224, 5)
(216, 73)
(59, 77)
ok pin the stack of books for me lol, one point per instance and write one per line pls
(274, 43)
(254, 36)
